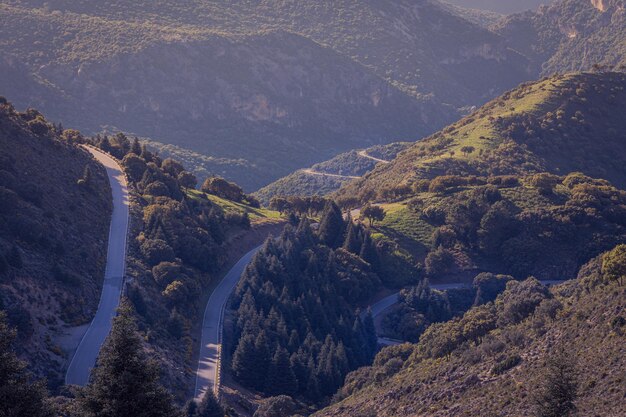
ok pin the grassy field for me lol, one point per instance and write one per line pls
(404, 227)
(257, 215)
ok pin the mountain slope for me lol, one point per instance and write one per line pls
(273, 86)
(54, 222)
(500, 369)
(546, 126)
(569, 35)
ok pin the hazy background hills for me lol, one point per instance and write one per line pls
(501, 6)
(264, 88)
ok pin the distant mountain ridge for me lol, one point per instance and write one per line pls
(276, 86)
(306, 80)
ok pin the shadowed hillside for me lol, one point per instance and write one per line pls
(54, 222)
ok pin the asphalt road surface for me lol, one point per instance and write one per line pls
(84, 358)
(208, 373)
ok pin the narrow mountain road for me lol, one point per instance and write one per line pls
(209, 361)
(382, 305)
(84, 358)
(364, 154)
(324, 174)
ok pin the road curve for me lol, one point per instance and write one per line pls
(325, 174)
(382, 305)
(385, 303)
(364, 154)
(209, 358)
(84, 358)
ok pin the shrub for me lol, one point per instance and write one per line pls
(439, 261)
(543, 182)
(520, 299)
(156, 251)
(504, 365)
(166, 272)
(220, 187)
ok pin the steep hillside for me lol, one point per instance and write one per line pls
(496, 359)
(54, 222)
(273, 85)
(560, 125)
(569, 35)
(328, 176)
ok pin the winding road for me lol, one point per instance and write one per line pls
(364, 154)
(86, 353)
(325, 174)
(209, 361)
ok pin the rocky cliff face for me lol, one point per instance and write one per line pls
(570, 35)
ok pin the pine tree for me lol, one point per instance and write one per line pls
(352, 243)
(124, 383)
(370, 334)
(244, 361)
(19, 396)
(209, 407)
(556, 396)
(262, 360)
(331, 225)
(368, 251)
(145, 153)
(136, 147)
(105, 144)
(281, 378)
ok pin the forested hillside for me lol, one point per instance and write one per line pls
(55, 206)
(296, 330)
(531, 352)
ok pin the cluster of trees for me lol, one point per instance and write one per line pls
(301, 206)
(296, 331)
(483, 221)
(420, 305)
(230, 191)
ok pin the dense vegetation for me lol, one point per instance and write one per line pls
(499, 358)
(179, 241)
(55, 204)
(296, 327)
